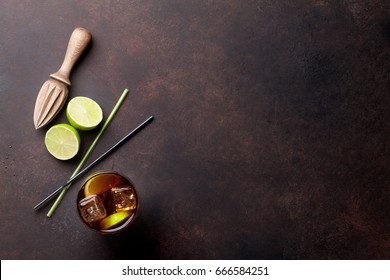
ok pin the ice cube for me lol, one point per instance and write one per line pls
(92, 209)
(122, 198)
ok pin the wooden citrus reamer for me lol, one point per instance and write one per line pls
(54, 91)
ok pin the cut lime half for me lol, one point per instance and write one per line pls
(83, 113)
(62, 141)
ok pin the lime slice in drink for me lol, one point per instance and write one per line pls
(114, 219)
(62, 141)
(101, 183)
(83, 113)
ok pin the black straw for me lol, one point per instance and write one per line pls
(96, 161)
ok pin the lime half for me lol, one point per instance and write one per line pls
(83, 113)
(62, 141)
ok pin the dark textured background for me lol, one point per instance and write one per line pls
(270, 138)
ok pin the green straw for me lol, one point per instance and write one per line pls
(108, 121)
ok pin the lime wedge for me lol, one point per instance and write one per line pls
(62, 141)
(114, 219)
(101, 183)
(83, 113)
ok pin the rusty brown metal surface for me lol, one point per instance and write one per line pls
(270, 138)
